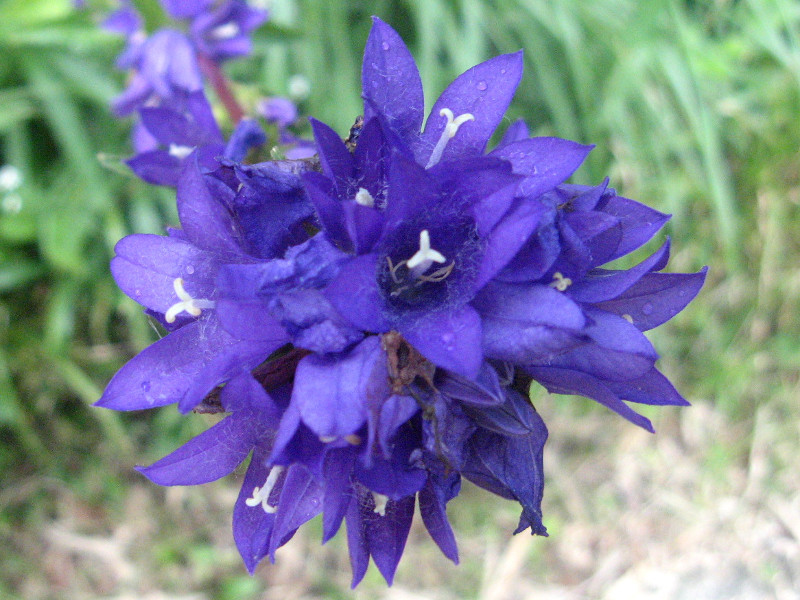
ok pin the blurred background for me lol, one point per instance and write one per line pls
(695, 110)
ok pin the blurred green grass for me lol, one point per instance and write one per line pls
(694, 107)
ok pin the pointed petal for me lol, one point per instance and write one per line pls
(639, 222)
(338, 490)
(390, 81)
(331, 391)
(337, 162)
(386, 535)
(651, 388)
(355, 295)
(522, 323)
(617, 351)
(329, 208)
(449, 339)
(300, 501)
(356, 542)
(656, 298)
(434, 515)
(212, 454)
(146, 266)
(252, 526)
(158, 167)
(601, 285)
(544, 161)
(161, 373)
(568, 381)
(484, 91)
(201, 207)
(507, 238)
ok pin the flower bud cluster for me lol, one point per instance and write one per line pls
(371, 320)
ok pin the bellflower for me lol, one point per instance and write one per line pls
(376, 324)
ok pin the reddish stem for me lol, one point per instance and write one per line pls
(221, 86)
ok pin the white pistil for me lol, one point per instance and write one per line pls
(261, 494)
(225, 32)
(425, 256)
(193, 306)
(364, 198)
(560, 282)
(179, 151)
(449, 132)
(380, 503)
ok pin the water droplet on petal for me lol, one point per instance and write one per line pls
(189, 269)
(385, 45)
(145, 386)
(502, 71)
(482, 86)
(448, 339)
(647, 308)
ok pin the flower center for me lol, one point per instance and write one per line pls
(411, 273)
(193, 306)
(449, 132)
(261, 494)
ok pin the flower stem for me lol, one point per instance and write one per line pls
(222, 87)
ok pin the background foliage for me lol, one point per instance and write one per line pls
(695, 110)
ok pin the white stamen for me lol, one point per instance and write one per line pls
(364, 198)
(225, 32)
(425, 256)
(327, 439)
(560, 282)
(380, 503)
(353, 439)
(193, 306)
(261, 494)
(449, 132)
(628, 318)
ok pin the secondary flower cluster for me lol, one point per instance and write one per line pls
(372, 321)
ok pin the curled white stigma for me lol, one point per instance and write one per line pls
(193, 306)
(364, 198)
(179, 151)
(560, 282)
(380, 503)
(261, 494)
(449, 132)
(425, 256)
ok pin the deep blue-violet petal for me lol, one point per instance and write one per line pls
(252, 526)
(567, 381)
(507, 238)
(434, 515)
(300, 501)
(390, 81)
(331, 392)
(205, 218)
(601, 285)
(485, 390)
(337, 162)
(639, 222)
(244, 392)
(651, 388)
(484, 91)
(517, 131)
(449, 339)
(145, 268)
(329, 209)
(386, 535)
(354, 293)
(545, 162)
(656, 298)
(357, 541)
(213, 454)
(338, 492)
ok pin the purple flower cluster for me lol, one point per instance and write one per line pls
(372, 321)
